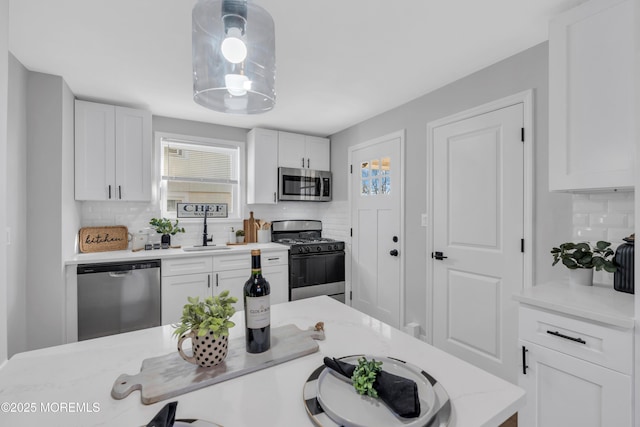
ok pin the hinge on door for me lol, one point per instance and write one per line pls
(522, 245)
(522, 134)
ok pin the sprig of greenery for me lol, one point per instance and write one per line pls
(212, 314)
(583, 255)
(365, 375)
(164, 226)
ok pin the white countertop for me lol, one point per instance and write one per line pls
(84, 372)
(598, 303)
(128, 255)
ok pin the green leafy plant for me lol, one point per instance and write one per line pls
(583, 255)
(212, 314)
(365, 375)
(164, 226)
(239, 233)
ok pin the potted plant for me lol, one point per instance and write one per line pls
(582, 258)
(240, 236)
(167, 229)
(207, 324)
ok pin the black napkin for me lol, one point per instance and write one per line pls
(166, 417)
(398, 393)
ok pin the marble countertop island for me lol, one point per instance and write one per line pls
(70, 385)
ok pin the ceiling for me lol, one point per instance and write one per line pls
(338, 62)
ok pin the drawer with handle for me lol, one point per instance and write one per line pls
(606, 346)
(188, 265)
(274, 258)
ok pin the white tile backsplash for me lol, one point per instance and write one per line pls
(603, 216)
(136, 216)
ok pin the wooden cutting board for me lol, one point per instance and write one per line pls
(101, 239)
(250, 229)
(167, 376)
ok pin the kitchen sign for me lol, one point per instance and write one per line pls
(197, 210)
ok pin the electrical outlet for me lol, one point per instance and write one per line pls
(423, 220)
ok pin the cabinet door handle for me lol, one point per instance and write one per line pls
(566, 337)
(273, 259)
(208, 280)
(274, 197)
(524, 360)
(216, 280)
(303, 162)
(119, 192)
(307, 163)
(109, 192)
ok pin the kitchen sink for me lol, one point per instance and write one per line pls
(205, 248)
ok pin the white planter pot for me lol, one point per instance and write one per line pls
(581, 277)
(207, 350)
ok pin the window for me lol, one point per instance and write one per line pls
(199, 170)
(375, 177)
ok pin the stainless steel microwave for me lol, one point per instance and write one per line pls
(304, 184)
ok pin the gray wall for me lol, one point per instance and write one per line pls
(203, 130)
(50, 212)
(552, 216)
(4, 81)
(17, 206)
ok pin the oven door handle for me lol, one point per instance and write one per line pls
(315, 254)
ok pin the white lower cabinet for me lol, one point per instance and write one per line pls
(209, 275)
(564, 386)
(176, 289)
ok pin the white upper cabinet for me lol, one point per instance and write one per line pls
(112, 153)
(591, 90)
(269, 149)
(262, 166)
(303, 151)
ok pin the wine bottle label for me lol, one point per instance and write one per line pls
(258, 312)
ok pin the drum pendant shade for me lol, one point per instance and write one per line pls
(234, 60)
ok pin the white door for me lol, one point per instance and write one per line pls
(565, 391)
(478, 224)
(376, 212)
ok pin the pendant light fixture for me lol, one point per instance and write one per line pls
(234, 57)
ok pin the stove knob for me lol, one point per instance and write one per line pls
(306, 249)
(319, 248)
(301, 249)
(329, 247)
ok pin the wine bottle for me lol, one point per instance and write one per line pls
(257, 314)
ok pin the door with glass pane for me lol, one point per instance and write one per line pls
(376, 212)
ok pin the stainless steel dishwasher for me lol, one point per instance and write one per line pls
(117, 297)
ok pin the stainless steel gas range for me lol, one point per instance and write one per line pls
(316, 264)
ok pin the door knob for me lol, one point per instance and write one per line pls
(393, 252)
(438, 255)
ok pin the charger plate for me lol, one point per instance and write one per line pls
(333, 402)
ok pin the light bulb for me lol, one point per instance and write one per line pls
(233, 48)
(237, 84)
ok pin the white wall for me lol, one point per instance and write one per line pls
(16, 207)
(4, 78)
(552, 216)
(636, 384)
(50, 211)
